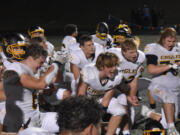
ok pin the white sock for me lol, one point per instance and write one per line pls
(170, 125)
(126, 132)
(118, 131)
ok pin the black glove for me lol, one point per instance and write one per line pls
(173, 71)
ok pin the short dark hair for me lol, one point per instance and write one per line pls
(69, 29)
(84, 38)
(36, 51)
(78, 112)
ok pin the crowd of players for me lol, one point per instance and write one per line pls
(104, 67)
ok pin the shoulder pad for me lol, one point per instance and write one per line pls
(141, 57)
(150, 48)
(177, 46)
(87, 72)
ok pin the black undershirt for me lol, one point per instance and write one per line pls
(152, 59)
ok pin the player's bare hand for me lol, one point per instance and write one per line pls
(133, 100)
(178, 63)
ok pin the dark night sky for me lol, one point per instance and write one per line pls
(18, 15)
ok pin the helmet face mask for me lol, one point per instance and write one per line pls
(16, 50)
(119, 38)
(121, 33)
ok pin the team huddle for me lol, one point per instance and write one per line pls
(94, 80)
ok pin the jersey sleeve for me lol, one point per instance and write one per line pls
(73, 58)
(15, 67)
(10, 76)
(86, 74)
(150, 51)
(151, 59)
(139, 71)
(142, 56)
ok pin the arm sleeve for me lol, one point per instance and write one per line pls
(151, 59)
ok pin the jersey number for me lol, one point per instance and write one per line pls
(34, 100)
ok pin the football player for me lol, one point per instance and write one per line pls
(20, 87)
(99, 81)
(69, 41)
(13, 49)
(102, 35)
(87, 54)
(162, 63)
(37, 31)
(130, 66)
(59, 94)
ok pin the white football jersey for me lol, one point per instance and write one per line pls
(68, 42)
(129, 69)
(90, 75)
(167, 79)
(5, 60)
(50, 48)
(35, 131)
(78, 57)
